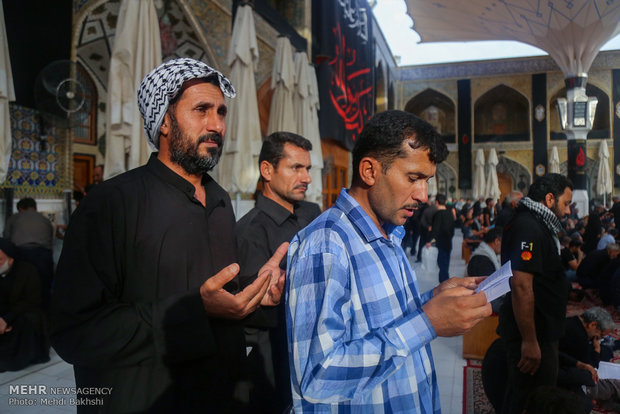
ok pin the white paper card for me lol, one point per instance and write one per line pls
(608, 370)
(497, 284)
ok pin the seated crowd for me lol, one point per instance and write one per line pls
(590, 255)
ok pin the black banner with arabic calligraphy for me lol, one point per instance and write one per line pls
(344, 54)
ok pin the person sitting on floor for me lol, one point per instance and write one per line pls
(485, 260)
(580, 351)
(24, 339)
(595, 271)
(571, 256)
(608, 237)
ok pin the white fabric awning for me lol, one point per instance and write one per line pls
(281, 114)
(554, 161)
(136, 51)
(238, 168)
(305, 102)
(604, 182)
(7, 93)
(479, 180)
(493, 190)
(572, 32)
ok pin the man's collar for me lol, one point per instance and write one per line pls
(215, 195)
(362, 221)
(275, 211)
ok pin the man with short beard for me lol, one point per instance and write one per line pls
(359, 330)
(280, 212)
(146, 291)
(531, 319)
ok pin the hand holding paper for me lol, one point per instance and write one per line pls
(498, 283)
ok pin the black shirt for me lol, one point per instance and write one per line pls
(567, 256)
(504, 216)
(127, 311)
(576, 346)
(480, 265)
(531, 248)
(443, 229)
(259, 233)
(593, 265)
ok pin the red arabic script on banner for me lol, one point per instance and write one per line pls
(348, 89)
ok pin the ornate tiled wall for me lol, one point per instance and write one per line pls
(214, 18)
(37, 166)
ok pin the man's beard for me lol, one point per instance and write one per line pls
(184, 152)
(557, 211)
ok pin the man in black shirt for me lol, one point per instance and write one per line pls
(280, 212)
(571, 258)
(442, 231)
(597, 268)
(531, 319)
(145, 292)
(508, 208)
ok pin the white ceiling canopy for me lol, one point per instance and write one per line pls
(571, 31)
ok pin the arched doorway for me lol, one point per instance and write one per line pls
(505, 185)
(437, 109)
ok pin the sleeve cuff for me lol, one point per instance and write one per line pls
(416, 330)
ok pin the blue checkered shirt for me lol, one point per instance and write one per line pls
(358, 339)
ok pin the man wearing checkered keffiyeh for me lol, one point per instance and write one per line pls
(145, 288)
(531, 319)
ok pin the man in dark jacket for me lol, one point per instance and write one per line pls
(145, 300)
(280, 212)
(442, 231)
(23, 324)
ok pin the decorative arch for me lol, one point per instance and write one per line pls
(501, 114)
(521, 176)
(437, 109)
(95, 28)
(600, 129)
(446, 179)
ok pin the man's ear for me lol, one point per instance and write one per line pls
(266, 170)
(165, 128)
(369, 168)
(549, 200)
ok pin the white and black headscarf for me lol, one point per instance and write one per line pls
(544, 214)
(163, 84)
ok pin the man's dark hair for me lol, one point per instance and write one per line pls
(383, 136)
(488, 200)
(272, 150)
(492, 235)
(549, 183)
(26, 203)
(575, 243)
(440, 199)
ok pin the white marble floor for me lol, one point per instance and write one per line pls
(57, 373)
(447, 352)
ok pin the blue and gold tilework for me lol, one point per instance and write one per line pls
(35, 163)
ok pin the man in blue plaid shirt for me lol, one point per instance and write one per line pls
(359, 331)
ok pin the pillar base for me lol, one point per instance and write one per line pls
(582, 202)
